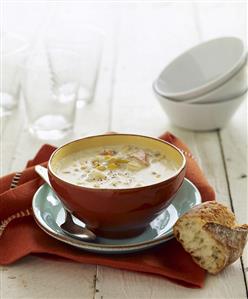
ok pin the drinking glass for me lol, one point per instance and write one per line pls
(87, 42)
(50, 81)
(13, 52)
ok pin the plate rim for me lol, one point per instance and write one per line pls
(102, 247)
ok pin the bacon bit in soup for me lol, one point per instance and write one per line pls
(157, 154)
(108, 152)
(141, 156)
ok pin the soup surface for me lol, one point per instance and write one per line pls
(117, 166)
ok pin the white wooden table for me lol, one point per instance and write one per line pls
(140, 39)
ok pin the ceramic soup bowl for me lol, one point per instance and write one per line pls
(114, 212)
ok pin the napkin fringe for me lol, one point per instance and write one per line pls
(5, 222)
(15, 180)
(189, 155)
(20, 214)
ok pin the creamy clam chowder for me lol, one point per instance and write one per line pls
(117, 166)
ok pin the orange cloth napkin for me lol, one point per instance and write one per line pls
(20, 235)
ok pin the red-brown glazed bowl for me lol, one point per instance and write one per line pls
(117, 213)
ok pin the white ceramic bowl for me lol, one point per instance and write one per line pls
(200, 117)
(230, 89)
(202, 68)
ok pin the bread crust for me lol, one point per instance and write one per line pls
(212, 211)
(217, 225)
(234, 239)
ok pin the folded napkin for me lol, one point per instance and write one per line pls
(20, 235)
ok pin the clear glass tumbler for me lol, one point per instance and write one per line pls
(50, 81)
(87, 42)
(13, 53)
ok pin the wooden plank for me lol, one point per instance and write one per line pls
(11, 128)
(35, 277)
(135, 110)
(234, 143)
(233, 138)
(123, 285)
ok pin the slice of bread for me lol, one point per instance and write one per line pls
(209, 232)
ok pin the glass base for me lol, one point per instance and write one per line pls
(85, 96)
(51, 127)
(4, 112)
(8, 103)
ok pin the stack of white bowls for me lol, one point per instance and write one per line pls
(202, 88)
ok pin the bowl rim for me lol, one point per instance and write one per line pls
(180, 169)
(206, 87)
(206, 104)
(243, 68)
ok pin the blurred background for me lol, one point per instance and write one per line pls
(138, 39)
